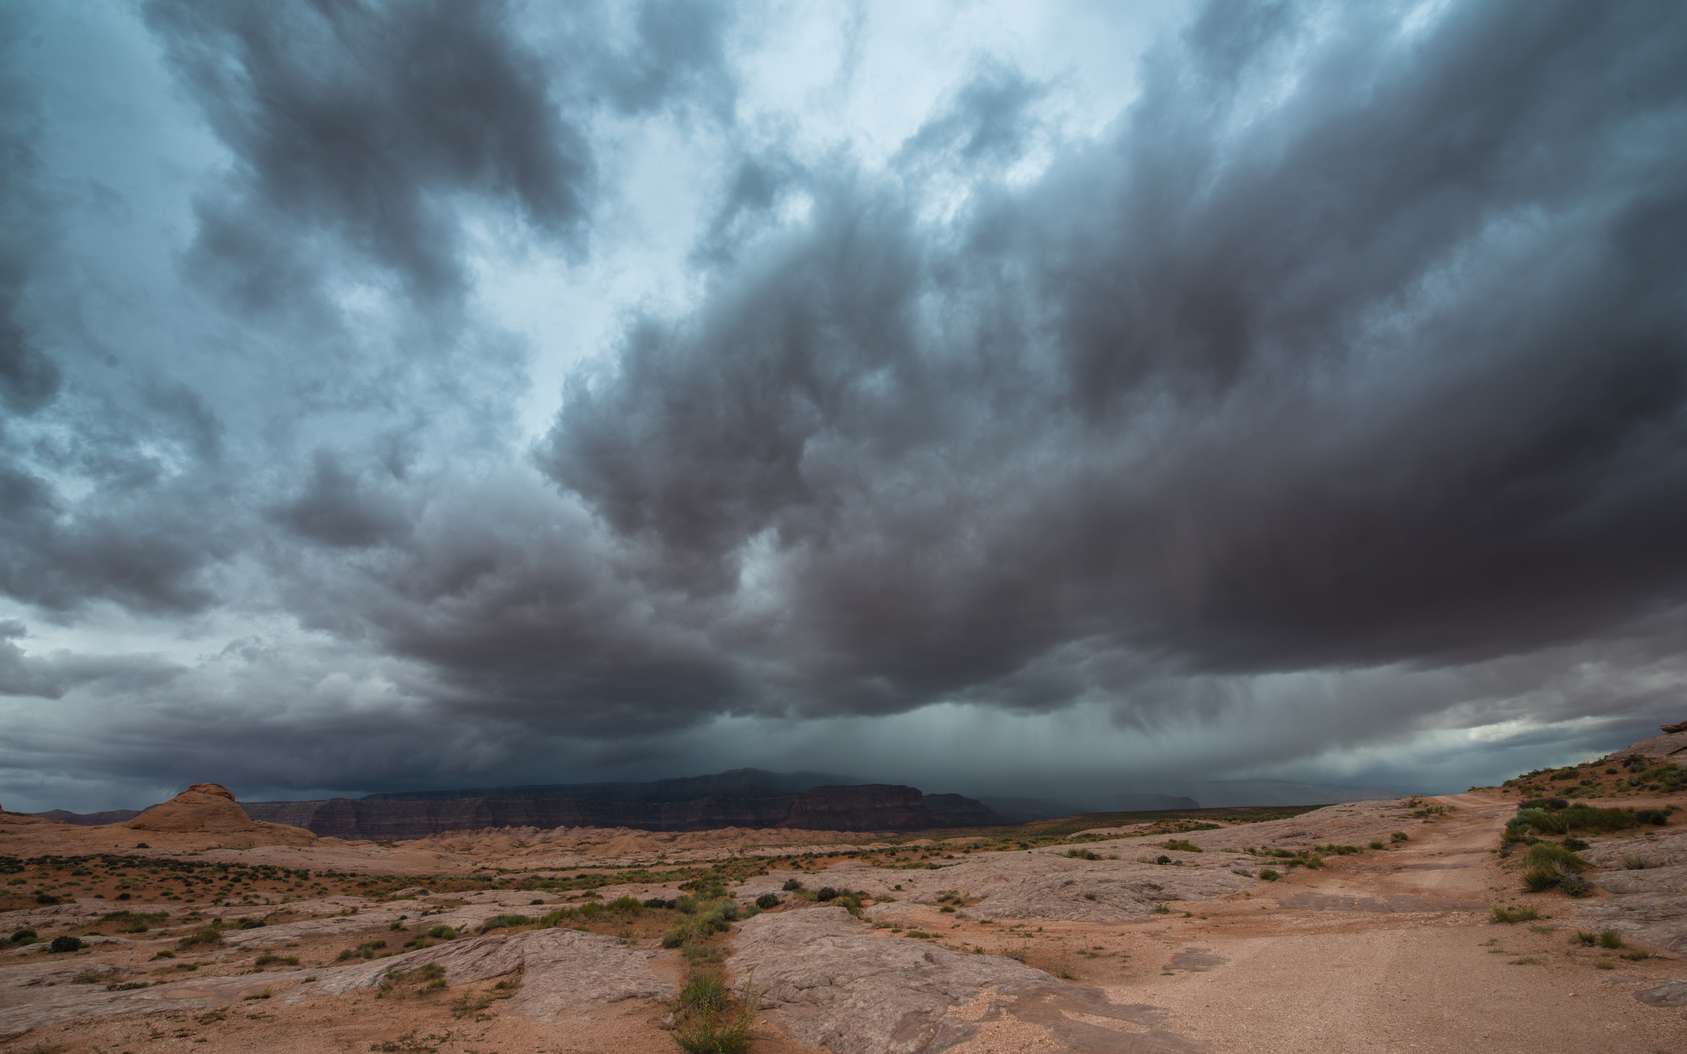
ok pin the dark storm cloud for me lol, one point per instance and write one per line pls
(29, 379)
(363, 121)
(1335, 396)
(148, 550)
(338, 509)
(1390, 371)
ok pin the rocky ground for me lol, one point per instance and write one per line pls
(1366, 926)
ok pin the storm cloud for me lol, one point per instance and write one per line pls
(1312, 405)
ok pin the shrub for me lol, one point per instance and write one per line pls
(64, 944)
(624, 906)
(708, 1022)
(1270, 874)
(825, 893)
(1584, 937)
(1610, 939)
(1575, 845)
(498, 922)
(23, 936)
(704, 993)
(767, 900)
(203, 935)
(1510, 916)
(791, 885)
(442, 933)
(1083, 854)
(1397, 836)
(1376, 844)
(1181, 845)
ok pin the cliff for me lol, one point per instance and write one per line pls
(861, 807)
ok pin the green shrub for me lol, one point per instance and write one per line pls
(64, 944)
(1584, 937)
(442, 933)
(1510, 916)
(1270, 874)
(203, 935)
(1181, 845)
(1610, 939)
(704, 993)
(23, 936)
(767, 900)
(624, 906)
(825, 893)
(498, 922)
(1397, 836)
(791, 885)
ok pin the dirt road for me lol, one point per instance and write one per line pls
(1395, 952)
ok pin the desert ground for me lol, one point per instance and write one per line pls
(1373, 926)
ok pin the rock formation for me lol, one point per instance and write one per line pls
(672, 805)
(210, 808)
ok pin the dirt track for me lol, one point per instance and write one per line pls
(1394, 951)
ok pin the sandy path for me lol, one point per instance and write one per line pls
(1394, 951)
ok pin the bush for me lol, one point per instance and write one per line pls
(1547, 866)
(1397, 836)
(791, 885)
(825, 893)
(624, 906)
(1181, 845)
(708, 1022)
(767, 900)
(704, 993)
(1610, 939)
(498, 922)
(23, 936)
(64, 944)
(203, 935)
(1510, 916)
(442, 933)
(1270, 874)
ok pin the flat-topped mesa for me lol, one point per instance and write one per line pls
(861, 807)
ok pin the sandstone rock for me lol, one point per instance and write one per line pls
(1647, 905)
(1670, 993)
(560, 969)
(1679, 726)
(833, 983)
(209, 808)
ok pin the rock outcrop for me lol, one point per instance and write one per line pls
(210, 808)
(865, 807)
(832, 983)
(1670, 746)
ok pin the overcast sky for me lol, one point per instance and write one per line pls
(1042, 398)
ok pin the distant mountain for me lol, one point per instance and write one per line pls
(1143, 802)
(741, 798)
(735, 782)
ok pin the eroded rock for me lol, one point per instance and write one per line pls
(834, 983)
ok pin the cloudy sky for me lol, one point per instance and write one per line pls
(1039, 398)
